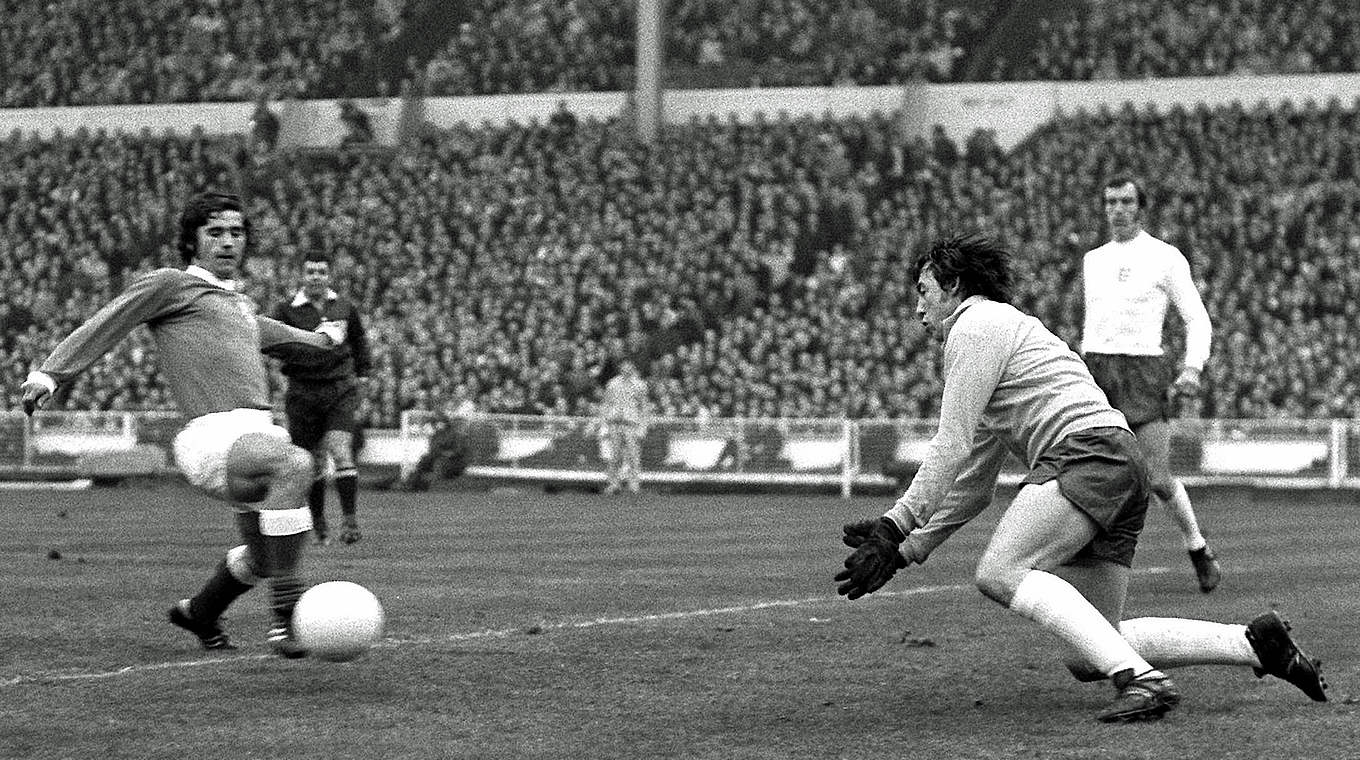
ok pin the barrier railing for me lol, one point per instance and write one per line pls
(829, 453)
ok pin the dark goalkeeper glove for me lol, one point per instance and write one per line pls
(876, 558)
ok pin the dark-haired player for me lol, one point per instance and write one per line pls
(209, 339)
(1061, 554)
(1129, 282)
(322, 400)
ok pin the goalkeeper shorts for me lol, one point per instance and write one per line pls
(1101, 471)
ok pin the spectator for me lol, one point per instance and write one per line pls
(358, 127)
(264, 126)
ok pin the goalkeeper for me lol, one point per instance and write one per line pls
(1062, 552)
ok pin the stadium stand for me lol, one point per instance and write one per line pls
(1098, 39)
(68, 52)
(512, 265)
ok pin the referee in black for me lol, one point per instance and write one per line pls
(322, 401)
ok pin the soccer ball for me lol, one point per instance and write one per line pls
(337, 620)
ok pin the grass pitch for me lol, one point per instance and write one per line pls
(528, 625)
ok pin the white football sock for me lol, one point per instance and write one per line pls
(1056, 605)
(1172, 642)
(1184, 515)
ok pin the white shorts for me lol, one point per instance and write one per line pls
(201, 448)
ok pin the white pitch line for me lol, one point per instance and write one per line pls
(498, 633)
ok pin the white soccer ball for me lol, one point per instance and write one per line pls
(337, 620)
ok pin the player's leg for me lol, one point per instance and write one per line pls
(201, 452)
(1105, 585)
(316, 497)
(305, 429)
(339, 424)
(201, 613)
(1264, 644)
(285, 472)
(1040, 532)
(633, 459)
(1155, 440)
(339, 444)
(613, 461)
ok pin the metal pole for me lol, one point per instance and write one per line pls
(648, 60)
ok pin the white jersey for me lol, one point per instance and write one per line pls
(1128, 286)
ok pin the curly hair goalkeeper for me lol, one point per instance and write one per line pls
(1061, 554)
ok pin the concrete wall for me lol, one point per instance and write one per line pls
(1012, 109)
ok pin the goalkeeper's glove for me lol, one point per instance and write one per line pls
(35, 391)
(335, 329)
(876, 558)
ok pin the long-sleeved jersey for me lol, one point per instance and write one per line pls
(303, 314)
(208, 338)
(1010, 386)
(1128, 287)
(625, 400)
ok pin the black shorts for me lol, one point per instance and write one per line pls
(1135, 385)
(314, 408)
(1101, 471)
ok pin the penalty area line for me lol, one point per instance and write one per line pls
(500, 633)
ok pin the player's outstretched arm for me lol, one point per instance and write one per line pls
(299, 346)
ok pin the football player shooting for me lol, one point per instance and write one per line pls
(1062, 551)
(209, 340)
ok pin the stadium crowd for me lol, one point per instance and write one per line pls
(66, 52)
(69, 52)
(756, 269)
(1113, 40)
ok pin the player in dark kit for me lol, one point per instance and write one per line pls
(209, 338)
(322, 401)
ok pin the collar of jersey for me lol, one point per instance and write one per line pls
(213, 279)
(302, 298)
(948, 323)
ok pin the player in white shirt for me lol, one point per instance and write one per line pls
(1061, 553)
(623, 422)
(1129, 283)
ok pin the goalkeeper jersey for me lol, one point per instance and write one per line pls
(1010, 387)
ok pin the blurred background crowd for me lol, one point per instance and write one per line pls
(754, 269)
(75, 52)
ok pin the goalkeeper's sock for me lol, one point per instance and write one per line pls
(347, 486)
(232, 578)
(1058, 607)
(1171, 642)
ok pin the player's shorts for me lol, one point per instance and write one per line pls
(1135, 385)
(201, 448)
(314, 408)
(1101, 470)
